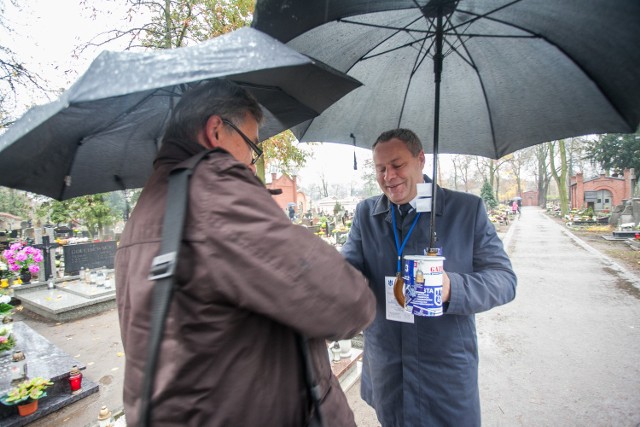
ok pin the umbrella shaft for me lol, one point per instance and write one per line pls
(437, 69)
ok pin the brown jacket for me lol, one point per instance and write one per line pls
(247, 280)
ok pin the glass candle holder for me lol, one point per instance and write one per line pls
(75, 379)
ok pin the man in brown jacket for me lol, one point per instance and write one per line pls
(247, 282)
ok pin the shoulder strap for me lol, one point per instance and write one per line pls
(162, 272)
(312, 384)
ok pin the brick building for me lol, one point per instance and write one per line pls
(602, 192)
(290, 193)
(530, 198)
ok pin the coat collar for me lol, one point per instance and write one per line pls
(382, 205)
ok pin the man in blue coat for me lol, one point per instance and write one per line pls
(423, 371)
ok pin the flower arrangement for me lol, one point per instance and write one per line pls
(23, 259)
(7, 341)
(27, 391)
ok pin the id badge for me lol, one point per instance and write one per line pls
(394, 311)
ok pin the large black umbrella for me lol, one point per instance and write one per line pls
(484, 77)
(103, 133)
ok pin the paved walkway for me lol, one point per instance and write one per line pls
(565, 352)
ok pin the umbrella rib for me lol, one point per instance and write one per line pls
(397, 30)
(388, 27)
(409, 44)
(418, 61)
(477, 16)
(472, 64)
(124, 113)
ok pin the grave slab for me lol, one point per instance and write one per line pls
(46, 360)
(68, 301)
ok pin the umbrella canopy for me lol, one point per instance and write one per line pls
(514, 72)
(510, 73)
(104, 132)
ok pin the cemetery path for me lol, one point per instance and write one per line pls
(566, 351)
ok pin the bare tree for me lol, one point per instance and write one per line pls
(518, 162)
(542, 175)
(176, 23)
(560, 173)
(13, 75)
(489, 170)
(462, 166)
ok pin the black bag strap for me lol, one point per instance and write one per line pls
(163, 270)
(312, 384)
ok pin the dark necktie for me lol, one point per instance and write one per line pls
(404, 209)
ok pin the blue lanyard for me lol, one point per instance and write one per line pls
(395, 234)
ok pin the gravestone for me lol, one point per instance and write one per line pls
(627, 214)
(48, 258)
(88, 255)
(37, 236)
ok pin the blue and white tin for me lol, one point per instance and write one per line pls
(423, 285)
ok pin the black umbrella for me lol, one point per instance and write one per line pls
(484, 77)
(103, 133)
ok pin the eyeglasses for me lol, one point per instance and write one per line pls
(257, 152)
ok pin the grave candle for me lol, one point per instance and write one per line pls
(75, 379)
(104, 417)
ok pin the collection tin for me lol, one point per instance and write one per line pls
(423, 285)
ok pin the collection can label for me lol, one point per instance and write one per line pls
(423, 285)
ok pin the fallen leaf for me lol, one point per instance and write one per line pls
(119, 354)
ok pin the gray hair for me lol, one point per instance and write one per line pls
(216, 97)
(407, 136)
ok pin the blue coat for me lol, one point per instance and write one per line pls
(426, 373)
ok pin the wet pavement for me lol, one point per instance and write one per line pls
(565, 352)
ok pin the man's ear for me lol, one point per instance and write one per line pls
(422, 159)
(212, 130)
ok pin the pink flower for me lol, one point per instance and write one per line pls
(20, 258)
(2, 339)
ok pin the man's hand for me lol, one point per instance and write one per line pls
(446, 287)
